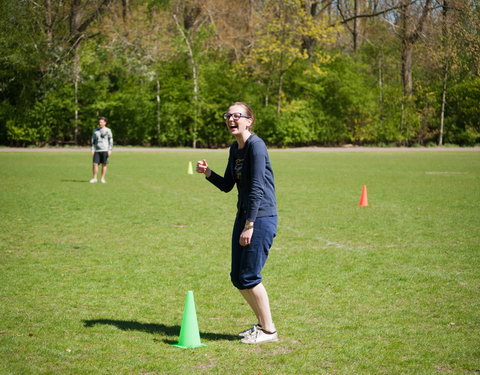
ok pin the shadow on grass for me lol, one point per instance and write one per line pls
(131, 325)
(85, 181)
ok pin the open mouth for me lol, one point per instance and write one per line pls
(233, 126)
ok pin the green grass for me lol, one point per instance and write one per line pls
(93, 278)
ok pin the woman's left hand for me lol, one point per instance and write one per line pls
(246, 237)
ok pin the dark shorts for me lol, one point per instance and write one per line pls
(100, 157)
(248, 261)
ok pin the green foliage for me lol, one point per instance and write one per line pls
(387, 128)
(337, 105)
(20, 80)
(220, 86)
(295, 125)
(20, 135)
(177, 110)
(351, 98)
(48, 121)
(463, 112)
(304, 88)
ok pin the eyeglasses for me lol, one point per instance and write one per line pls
(236, 116)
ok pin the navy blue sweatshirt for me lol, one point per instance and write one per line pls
(250, 169)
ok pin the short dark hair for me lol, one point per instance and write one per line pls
(102, 118)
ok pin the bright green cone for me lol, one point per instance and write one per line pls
(190, 168)
(189, 333)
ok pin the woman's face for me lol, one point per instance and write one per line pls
(236, 122)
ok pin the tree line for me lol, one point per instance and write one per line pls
(316, 72)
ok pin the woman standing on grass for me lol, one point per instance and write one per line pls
(256, 221)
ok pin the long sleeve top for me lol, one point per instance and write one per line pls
(250, 169)
(102, 140)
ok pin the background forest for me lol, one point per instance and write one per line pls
(316, 72)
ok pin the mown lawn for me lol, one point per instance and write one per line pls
(93, 277)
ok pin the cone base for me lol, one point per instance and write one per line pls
(189, 346)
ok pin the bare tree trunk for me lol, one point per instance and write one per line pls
(125, 10)
(381, 85)
(195, 81)
(406, 55)
(78, 26)
(402, 116)
(75, 21)
(445, 76)
(158, 112)
(267, 95)
(329, 11)
(49, 22)
(196, 102)
(279, 99)
(355, 26)
(410, 32)
(442, 113)
(308, 42)
(281, 62)
(76, 79)
(407, 50)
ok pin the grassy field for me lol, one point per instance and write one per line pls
(93, 277)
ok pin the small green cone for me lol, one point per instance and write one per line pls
(190, 168)
(189, 333)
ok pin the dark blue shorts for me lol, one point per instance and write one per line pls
(248, 261)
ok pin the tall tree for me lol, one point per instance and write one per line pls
(82, 14)
(285, 27)
(459, 40)
(65, 25)
(189, 19)
(412, 23)
(142, 37)
(411, 18)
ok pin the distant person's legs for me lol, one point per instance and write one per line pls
(104, 172)
(95, 172)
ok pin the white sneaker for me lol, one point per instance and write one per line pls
(258, 336)
(249, 331)
(103, 181)
(93, 180)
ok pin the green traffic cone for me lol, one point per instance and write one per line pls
(190, 168)
(189, 333)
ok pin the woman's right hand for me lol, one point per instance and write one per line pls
(202, 167)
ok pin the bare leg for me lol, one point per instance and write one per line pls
(248, 296)
(95, 170)
(257, 298)
(104, 170)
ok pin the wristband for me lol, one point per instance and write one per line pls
(249, 226)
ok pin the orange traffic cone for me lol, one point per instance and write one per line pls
(363, 197)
